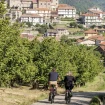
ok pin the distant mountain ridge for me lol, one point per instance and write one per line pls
(83, 5)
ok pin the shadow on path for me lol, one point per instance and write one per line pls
(79, 98)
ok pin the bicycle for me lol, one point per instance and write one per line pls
(68, 96)
(52, 93)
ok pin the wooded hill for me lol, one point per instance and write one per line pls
(83, 5)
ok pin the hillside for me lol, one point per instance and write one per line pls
(83, 5)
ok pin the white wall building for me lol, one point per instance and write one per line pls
(87, 42)
(45, 13)
(65, 10)
(32, 18)
(90, 19)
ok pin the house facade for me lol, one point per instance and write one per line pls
(32, 18)
(45, 13)
(62, 31)
(86, 42)
(58, 32)
(90, 19)
(44, 4)
(65, 10)
(26, 4)
(94, 16)
(91, 41)
(90, 33)
(51, 33)
(49, 10)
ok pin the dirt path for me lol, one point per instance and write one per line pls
(79, 98)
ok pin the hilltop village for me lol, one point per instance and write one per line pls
(49, 18)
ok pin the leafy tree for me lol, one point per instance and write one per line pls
(93, 26)
(29, 24)
(2, 9)
(73, 24)
(42, 29)
(50, 26)
(80, 26)
(66, 40)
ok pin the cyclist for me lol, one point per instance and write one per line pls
(53, 77)
(68, 81)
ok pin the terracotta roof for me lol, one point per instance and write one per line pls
(43, 9)
(31, 15)
(90, 31)
(45, 0)
(97, 37)
(62, 5)
(102, 43)
(89, 14)
(65, 6)
(102, 47)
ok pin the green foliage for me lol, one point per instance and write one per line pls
(42, 29)
(22, 61)
(95, 101)
(66, 40)
(50, 26)
(28, 24)
(84, 5)
(93, 26)
(80, 26)
(67, 19)
(2, 9)
(73, 24)
(15, 57)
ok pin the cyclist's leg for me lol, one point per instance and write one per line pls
(56, 85)
(70, 89)
(66, 89)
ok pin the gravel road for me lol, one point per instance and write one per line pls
(79, 98)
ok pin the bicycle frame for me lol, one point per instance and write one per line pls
(68, 96)
(52, 94)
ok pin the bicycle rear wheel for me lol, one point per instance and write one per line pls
(52, 98)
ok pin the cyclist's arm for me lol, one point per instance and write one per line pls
(48, 77)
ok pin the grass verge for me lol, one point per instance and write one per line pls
(97, 85)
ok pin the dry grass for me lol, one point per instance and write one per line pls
(22, 96)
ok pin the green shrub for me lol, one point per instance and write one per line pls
(95, 101)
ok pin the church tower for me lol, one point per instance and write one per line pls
(54, 4)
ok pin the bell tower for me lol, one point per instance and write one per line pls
(54, 4)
